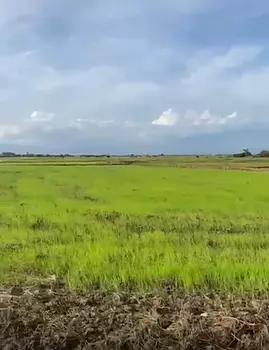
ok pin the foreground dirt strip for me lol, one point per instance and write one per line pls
(48, 317)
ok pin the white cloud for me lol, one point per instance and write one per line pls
(40, 116)
(207, 120)
(232, 116)
(192, 122)
(167, 118)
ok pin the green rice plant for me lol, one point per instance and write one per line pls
(134, 227)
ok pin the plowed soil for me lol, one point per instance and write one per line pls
(48, 317)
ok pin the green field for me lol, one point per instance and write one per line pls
(134, 227)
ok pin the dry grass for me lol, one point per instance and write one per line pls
(47, 317)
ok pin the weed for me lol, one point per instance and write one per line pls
(40, 223)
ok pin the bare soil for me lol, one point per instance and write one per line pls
(51, 317)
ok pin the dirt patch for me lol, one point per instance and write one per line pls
(54, 318)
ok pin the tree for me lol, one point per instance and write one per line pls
(263, 154)
(244, 153)
(247, 152)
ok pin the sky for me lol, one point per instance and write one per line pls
(125, 76)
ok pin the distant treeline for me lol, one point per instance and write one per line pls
(39, 155)
(246, 153)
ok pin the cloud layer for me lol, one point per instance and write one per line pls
(99, 76)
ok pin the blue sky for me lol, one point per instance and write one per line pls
(155, 76)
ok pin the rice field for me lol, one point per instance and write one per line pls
(134, 227)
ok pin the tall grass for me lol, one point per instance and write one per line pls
(134, 227)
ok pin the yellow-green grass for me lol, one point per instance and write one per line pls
(119, 227)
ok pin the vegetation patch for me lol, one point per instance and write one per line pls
(145, 254)
(197, 229)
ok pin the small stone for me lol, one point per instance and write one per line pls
(16, 291)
